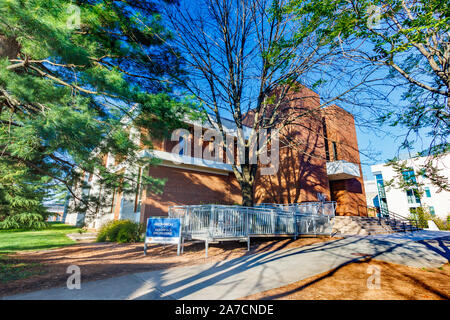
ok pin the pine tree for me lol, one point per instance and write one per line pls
(69, 72)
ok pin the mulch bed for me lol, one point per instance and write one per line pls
(104, 260)
(397, 282)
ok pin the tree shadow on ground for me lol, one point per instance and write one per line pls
(218, 272)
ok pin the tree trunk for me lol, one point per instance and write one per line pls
(247, 183)
(247, 194)
(9, 47)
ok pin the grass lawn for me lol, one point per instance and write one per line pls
(11, 270)
(108, 259)
(23, 240)
(20, 240)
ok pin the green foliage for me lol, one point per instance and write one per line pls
(11, 270)
(421, 217)
(347, 19)
(24, 220)
(441, 223)
(53, 236)
(410, 39)
(122, 231)
(428, 171)
(83, 228)
(21, 194)
(65, 89)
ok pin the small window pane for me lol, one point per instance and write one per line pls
(432, 212)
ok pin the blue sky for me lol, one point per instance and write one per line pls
(382, 140)
(386, 145)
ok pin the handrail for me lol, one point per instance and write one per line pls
(396, 216)
(231, 221)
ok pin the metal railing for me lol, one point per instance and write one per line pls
(407, 224)
(223, 222)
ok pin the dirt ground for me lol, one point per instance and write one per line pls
(397, 282)
(105, 260)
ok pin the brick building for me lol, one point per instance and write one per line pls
(323, 161)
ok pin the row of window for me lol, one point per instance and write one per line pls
(412, 195)
(409, 193)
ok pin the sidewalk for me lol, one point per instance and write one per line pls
(247, 275)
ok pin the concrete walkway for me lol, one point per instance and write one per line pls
(251, 274)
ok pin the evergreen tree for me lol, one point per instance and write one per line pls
(69, 72)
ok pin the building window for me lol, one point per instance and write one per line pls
(413, 196)
(376, 202)
(432, 212)
(409, 176)
(427, 192)
(379, 178)
(382, 195)
(327, 152)
(113, 203)
(409, 196)
(137, 200)
(181, 143)
(380, 186)
(327, 147)
(86, 187)
(335, 153)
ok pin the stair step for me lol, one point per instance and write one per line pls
(369, 225)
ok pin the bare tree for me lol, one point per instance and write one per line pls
(245, 60)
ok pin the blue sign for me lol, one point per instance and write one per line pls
(163, 230)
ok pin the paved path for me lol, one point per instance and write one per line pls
(247, 275)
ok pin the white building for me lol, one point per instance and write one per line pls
(370, 187)
(404, 202)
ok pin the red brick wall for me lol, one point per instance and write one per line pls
(349, 193)
(302, 173)
(187, 187)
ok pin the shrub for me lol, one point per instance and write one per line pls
(441, 223)
(122, 231)
(421, 216)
